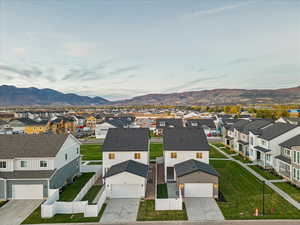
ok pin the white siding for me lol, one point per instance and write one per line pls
(101, 129)
(34, 164)
(9, 165)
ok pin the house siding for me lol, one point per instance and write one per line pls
(200, 177)
(65, 174)
(10, 183)
(2, 189)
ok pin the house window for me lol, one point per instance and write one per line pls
(199, 155)
(251, 140)
(24, 164)
(43, 163)
(2, 164)
(298, 157)
(173, 155)
(111, 156)
(137, 155)
(162, 124)
(294, 156)
(66, 156)
(194, 124)
(77, 150)
(263, 142)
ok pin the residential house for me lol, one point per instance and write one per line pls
(186, 162)
(290, 120)
(125, 162)
(4, 127)
(164, 123)
(80, 121)
(28, 126)
(30, 165)
(208, 125)
(91, 122)
(62, 125)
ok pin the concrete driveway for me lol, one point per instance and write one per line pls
(119, 210)
(203, 209)
(15, 211)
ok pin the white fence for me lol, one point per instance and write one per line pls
(90, 168)
(51, 207)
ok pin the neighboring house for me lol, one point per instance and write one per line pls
(4, 127)
(28, 126)
(288, 162)
(162, 124)
(62, 125)
(208, 125)
(186, 161)
(125, 162)
(80, 121)
(266, 142)
(290, 120)
(91, 122)
(30, 165)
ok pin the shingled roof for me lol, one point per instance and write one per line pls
(129, 166)
(185, 139)
(126, 139)
(294, 141)
(191, 166)
(27, 174)
(19, 146)
(201, 123)
(276, 130)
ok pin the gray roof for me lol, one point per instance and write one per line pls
(27, 174)
(294, 141)
(129, 166)
(169, 123)
(243, 142)
(185, 139)
(201, 123)
(228, 137)
(19, 146)
(255, 125)
(276, 130)
(191, 166)
(126, 139)
(283, 158)
(262, 149)
(2, 122)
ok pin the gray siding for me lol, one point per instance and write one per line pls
(2, 189)
(200, 177)
(65, 174)
(10, 183)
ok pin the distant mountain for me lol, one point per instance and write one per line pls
(13, 96)
(219, 97)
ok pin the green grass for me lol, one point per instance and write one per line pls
(243, 194)
(35, 218)
(162, 191)
(241, 159)
(156, 150)
(92, 193)
(71, 191)
(214, 153)
(265, 173)
(147, 213)
(91, 152)
(95, 163)
(219, 145)
(292, 190)
(2, 203)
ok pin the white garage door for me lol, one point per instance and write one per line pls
(32, 191)
(126, 191)
(198, 190)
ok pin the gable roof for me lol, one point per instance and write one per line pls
(126, 139)
(201, 123)
(255, 125)
(276, 130)
(29, 122)
(294, 141)
(185, 139)
(192, 165)
(169, 123)
(129, 166)
(19, 146)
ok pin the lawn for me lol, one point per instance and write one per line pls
(243, 194)
(2, 203)
(214, 153)
(35, 218)
(147, 213)
(292, 190)
(162, 191)
(241, 159)
(156, 150)
(71, 191)
(265, 173)
(95, 163)
(92, 193)
(91, 152)
(219, 145)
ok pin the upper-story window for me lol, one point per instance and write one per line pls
(263, 142)
(43, 163)
(24, 164)
(194, 124)
(111, 156)
(77, 150)
(199, 155)
(2, 164)
(162, 124)
(137, 155)
(251, 140)
(66, 156)
(173, 155)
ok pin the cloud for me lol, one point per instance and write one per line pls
(79, 49)
(19, 51)
(33, 71)
(216, 10)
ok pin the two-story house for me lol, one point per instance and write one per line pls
(125, 162)
(30, 165)
(164, 123)
(186, 162)
(208, 125)
(288, 162)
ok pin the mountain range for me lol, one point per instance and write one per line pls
(13, 96)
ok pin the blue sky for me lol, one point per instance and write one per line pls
(123, 48)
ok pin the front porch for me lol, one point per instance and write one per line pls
(243, 148)
(284, 166)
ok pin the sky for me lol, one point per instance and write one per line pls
(119, 49)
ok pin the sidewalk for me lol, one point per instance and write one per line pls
(268, 182)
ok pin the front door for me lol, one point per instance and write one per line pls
(170, 173)
(258, 157)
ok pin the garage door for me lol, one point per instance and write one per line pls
(198, 190)
(32, 191)
(126, 191)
